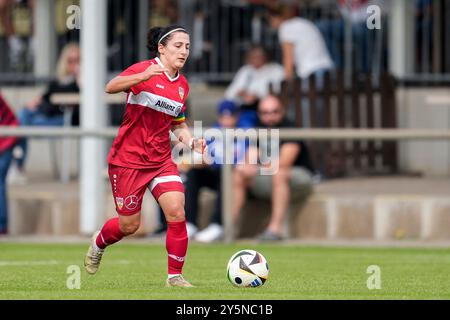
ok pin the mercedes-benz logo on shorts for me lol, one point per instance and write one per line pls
(131, 202)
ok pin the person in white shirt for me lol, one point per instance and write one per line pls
(253, 82)
(302, 44)
(304, 53)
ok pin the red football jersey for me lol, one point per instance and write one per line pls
(7, 118)
(152, 107)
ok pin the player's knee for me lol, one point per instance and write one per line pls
(175, 212)
(129, 227)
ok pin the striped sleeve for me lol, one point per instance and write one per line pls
(179, 119)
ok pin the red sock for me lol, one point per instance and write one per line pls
(176, 245)
(110, 233)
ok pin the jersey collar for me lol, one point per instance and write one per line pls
(166, 73)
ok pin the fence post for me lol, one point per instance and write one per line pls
(340, 92)
(326, 147)
(93, 66)
(356, 122)
(143, 28)
(296, 86)
(227, 201)
(401, 38)
(370, 119)
(389, 119)
(44, 21)
(312, 97)
(227, 185)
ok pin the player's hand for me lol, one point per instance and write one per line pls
(151, 71)
(249, 98)
(33, 105)
(199, 145)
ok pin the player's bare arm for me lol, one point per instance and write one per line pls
(124, 83)
(184, 135)
(288, 59)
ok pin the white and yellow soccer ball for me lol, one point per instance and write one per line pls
(247, 268)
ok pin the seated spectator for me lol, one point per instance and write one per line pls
(40, 111)
(294, 171)
(253, 82)
(209, 176)
(7, 118)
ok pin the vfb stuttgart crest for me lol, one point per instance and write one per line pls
(181, 92)
(119, 202)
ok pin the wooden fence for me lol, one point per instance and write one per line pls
(364, 104)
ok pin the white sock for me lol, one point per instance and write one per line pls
(95, 247)
(170, 276)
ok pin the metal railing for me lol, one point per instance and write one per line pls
(432, 37)
(291, 134)
(222, 31)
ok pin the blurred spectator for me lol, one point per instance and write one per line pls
(16, 45)
(356, 13)
(163, 12)
(366, 53)
(331, 26)
(7, 118)
(304, 54)
(201, 37)
(294, 173)
(252, 82)
(302, 44)
(40, 111)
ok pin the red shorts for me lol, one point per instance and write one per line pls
(129, 185)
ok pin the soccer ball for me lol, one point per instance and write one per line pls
(247, 268)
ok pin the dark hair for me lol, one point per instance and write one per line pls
(259, 47)
(155, 34)
(283, 10)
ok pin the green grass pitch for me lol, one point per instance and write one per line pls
(138, 271)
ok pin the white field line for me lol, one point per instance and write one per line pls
(17, 263)
(28, 263)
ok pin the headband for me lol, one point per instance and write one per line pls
(177, 29)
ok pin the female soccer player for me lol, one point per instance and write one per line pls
(140, 156)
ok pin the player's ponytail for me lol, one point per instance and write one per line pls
(157, 35)
(152, 41)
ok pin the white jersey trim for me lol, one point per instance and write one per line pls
(158, 180)
(156, 102)
(166, 73)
